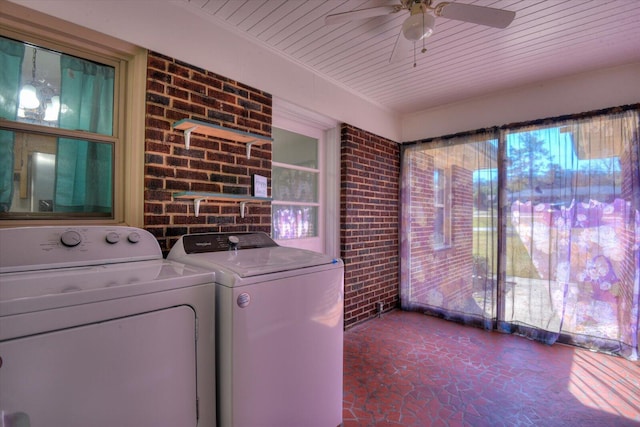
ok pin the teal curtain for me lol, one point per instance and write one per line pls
(11, 55)
(84, 170)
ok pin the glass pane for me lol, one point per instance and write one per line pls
(571, 194)
(294, 222)
(438, 227)
(54, 177)
(294, 185)
(459, 279)
(294, 149)
(58, 90)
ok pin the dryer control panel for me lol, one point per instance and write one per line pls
(217, 242)
(38, 248)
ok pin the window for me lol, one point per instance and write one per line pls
(57, 170)
(441, 228)
(306, 154)
(62, 128)
(295, 184)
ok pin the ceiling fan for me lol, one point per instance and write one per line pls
(422, 19)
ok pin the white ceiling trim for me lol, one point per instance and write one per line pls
(186, 4)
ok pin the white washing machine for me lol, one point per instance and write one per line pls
(279, 328)
(97, 329)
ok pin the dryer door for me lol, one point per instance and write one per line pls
(133, 371)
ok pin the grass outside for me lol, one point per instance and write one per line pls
(485, 243)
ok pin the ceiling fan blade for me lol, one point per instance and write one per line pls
(482, 15)
(354, 15)
(400, 49)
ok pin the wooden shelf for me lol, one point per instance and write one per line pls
(209, 129)
(199, 196)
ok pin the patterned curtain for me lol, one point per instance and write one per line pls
(571, 211)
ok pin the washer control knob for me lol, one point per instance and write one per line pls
(112, 237)
(233, 242)
(70, 238)
(133, 237)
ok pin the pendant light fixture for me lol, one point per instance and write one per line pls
(28, 93)
(38, 101)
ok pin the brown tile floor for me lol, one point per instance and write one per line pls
(409, 369)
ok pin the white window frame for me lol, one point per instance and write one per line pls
(292, 118)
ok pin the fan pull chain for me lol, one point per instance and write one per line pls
(33, 67)
(424, 49)
(414, 55)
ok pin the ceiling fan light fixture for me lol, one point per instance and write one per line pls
(418, 26)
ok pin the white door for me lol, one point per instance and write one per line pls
(305, 179)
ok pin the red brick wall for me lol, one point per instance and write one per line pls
(458, 262)
(176, 91)
(439, 277)
(369, 222)
(370, 173)
(422, 195)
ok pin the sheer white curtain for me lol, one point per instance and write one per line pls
(571, 208)
(449, 195)
(543, 226)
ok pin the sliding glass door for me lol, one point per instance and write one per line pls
(450, 223)
(571, 192)
(531, 229)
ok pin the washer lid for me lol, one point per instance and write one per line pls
(247, 254)
(256, 262)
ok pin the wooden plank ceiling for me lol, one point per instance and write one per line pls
(548, 39)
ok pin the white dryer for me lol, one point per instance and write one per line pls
(279, 328)
(97, 329)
